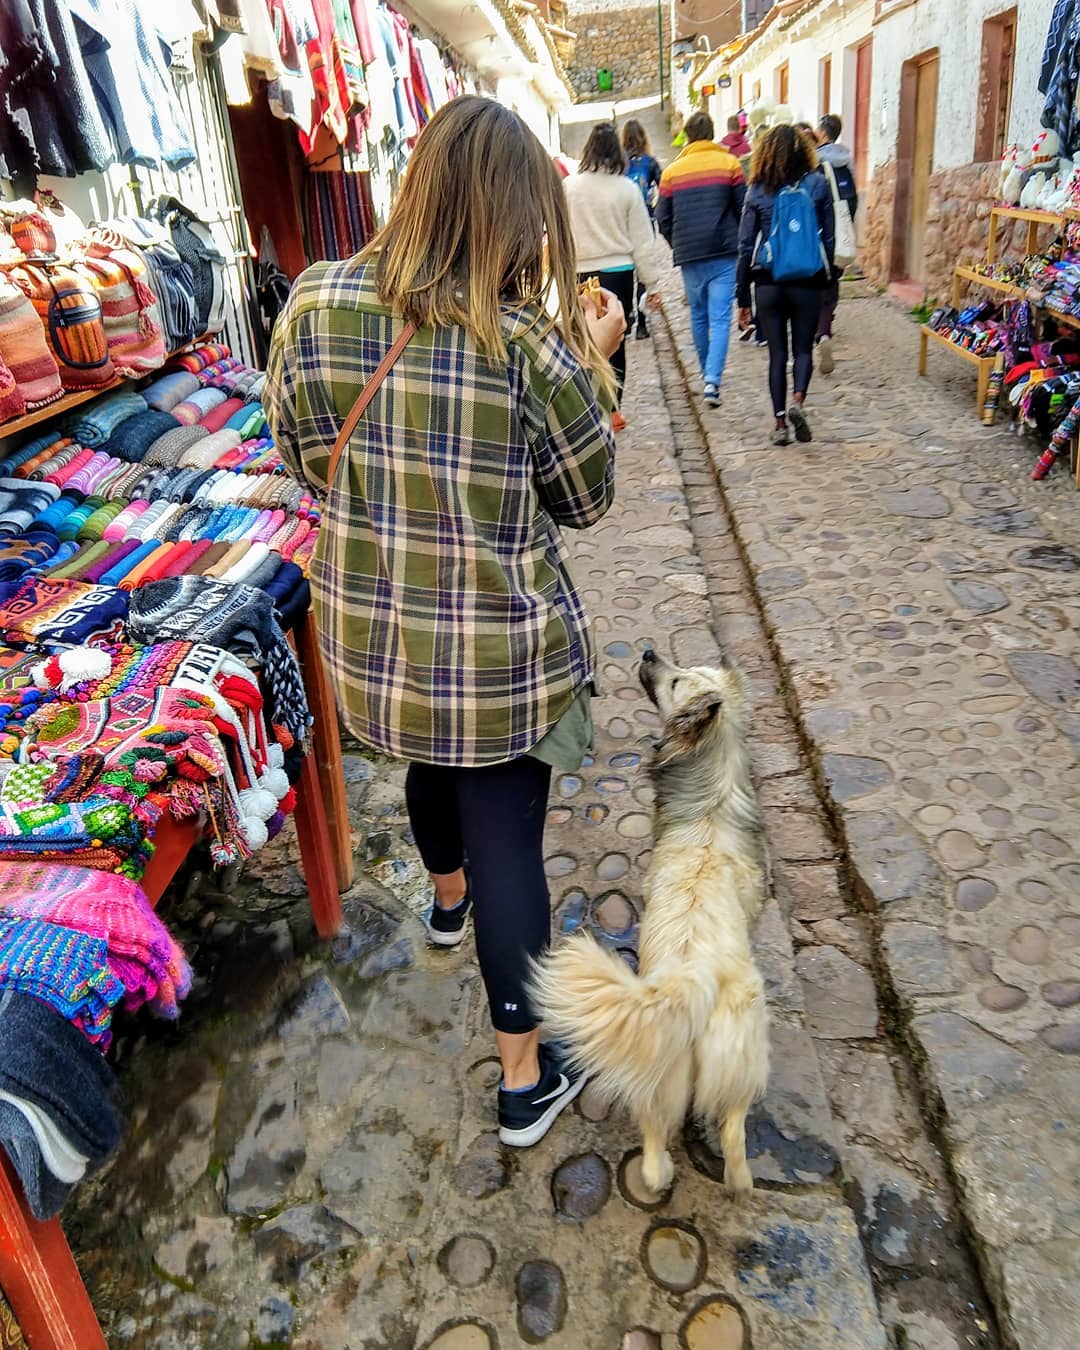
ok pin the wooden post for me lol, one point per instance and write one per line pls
(924, 342)
(40, 1278)
(991, 243)
(326, 750)
(316, 852)
(985, 368)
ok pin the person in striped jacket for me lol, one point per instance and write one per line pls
(701, 201)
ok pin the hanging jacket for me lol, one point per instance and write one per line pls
(1059, 111)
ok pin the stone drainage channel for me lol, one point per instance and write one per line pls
(893, 1173)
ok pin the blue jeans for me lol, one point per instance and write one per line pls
(710, 290)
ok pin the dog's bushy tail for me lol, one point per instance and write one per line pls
(623, 1029)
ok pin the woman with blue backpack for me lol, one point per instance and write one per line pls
(786, 244)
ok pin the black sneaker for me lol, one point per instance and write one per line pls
(747, 335)
(447, 927)
(525, 1117)
(797, 418)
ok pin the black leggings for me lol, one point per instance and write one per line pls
(621, 285)
(777, 307)
(494, 817)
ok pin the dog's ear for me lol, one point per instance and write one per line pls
(685, 730)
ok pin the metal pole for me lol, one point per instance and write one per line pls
(660, 47)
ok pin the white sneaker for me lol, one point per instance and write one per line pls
(826, 362)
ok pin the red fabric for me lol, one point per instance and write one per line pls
(328, 76)
(216, 418)
(365, 38)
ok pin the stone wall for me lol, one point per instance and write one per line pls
(957, 224)
(625, 42)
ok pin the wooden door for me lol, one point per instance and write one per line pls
(863, 69)
(922, 163)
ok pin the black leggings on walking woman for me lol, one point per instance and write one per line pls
(493, 817)
(621, 285)
(777, 308)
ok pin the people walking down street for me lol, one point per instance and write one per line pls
(644, 170)
(612, 232)
(452, 631)
(786, 245)
(736, 140)
(841, 164)
(701, 201)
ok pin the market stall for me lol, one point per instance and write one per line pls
(1021, 331)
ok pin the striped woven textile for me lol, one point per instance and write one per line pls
(340, 215)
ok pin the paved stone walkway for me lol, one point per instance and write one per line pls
(923, 598)
(311, 1159)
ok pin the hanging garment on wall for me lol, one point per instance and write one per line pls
(128, 62)
(332, 97)
(340, 215)
(1060, 111)
(49, 118)
(1060, 20)
(194, 241)
(291, 95)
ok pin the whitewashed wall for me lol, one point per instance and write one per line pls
(954, 27)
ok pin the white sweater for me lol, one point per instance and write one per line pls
(611, 225)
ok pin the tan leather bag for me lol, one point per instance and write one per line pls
(366, 395)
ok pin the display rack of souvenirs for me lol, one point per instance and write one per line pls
(153, 557)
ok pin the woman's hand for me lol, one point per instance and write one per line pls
(609, 328)
(744, 320)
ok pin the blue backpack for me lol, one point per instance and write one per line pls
(793, 250)
(638, 172)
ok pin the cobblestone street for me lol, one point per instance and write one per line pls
(313, 1159)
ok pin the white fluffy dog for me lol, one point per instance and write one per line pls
(692, 1025)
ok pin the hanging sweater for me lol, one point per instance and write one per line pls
(611, 226)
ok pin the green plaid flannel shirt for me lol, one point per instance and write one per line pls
(450, 626)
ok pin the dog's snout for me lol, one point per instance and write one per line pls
(648, 656)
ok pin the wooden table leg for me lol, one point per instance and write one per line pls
(173, 841)
(984, 384)
(326, 749)
(40, 1278)
(317, 852)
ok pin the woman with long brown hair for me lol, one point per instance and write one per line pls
(452, 631)
(784, 161)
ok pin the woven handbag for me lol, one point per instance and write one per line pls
(70, 313)
(130, 309)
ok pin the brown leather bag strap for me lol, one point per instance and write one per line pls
(366, 395)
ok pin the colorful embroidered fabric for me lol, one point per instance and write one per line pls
(63, 613)
(68, 970)
(141, 951)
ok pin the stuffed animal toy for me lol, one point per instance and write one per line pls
(1042, 164)
(1032, 190)
(1013, 183)
(1008, 164)
(783, 116)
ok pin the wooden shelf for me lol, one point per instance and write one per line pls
(985, 364)
(969, 274)
(57, 407)
(66, 402)
(1026, 213)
